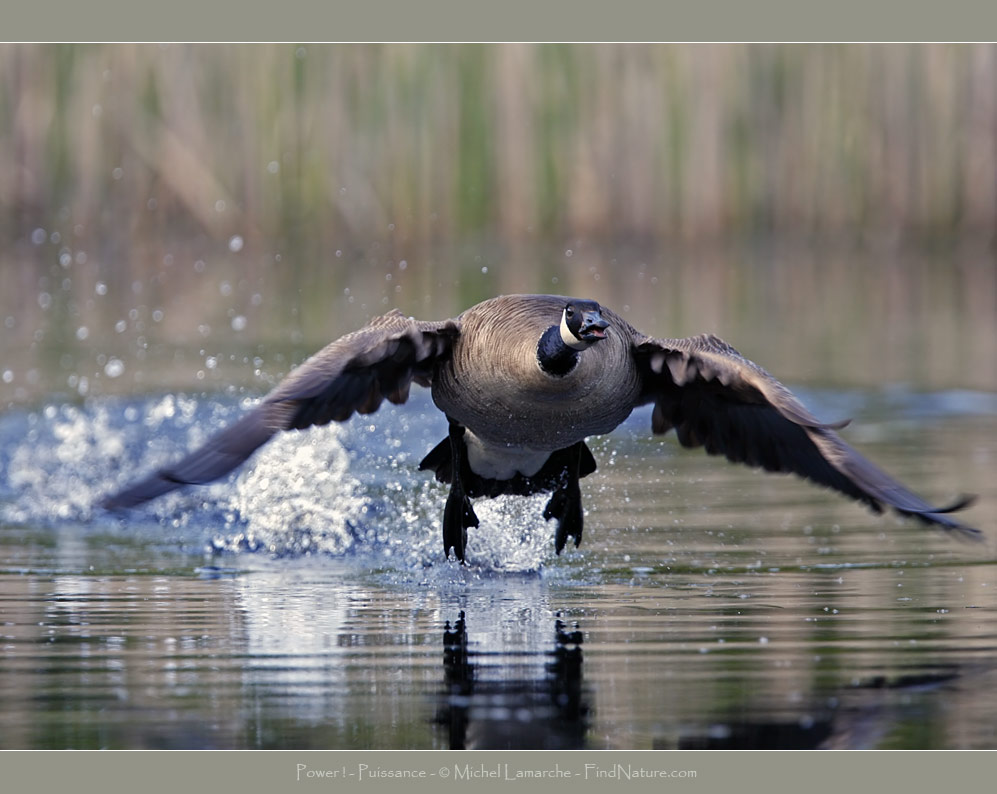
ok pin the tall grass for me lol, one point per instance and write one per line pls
(327, 146)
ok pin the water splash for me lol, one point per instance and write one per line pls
(298, 497)
(350, 490)
(513, 535)
(54, 462)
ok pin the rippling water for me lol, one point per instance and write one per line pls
(305, 603)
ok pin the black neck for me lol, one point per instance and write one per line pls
(555, 357)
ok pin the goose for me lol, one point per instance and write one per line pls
(524, 380)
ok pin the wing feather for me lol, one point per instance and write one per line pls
(715, 398)
(353, 374)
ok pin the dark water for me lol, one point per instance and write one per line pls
(306, 604)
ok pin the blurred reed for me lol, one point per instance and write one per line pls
(320, 147)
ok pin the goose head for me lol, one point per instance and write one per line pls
(582, 324)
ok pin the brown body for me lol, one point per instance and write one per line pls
(511, 401)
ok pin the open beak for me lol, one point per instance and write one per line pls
(593, 327)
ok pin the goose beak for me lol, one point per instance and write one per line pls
(593, 327)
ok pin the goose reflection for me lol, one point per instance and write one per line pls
(485, 706)
(863, 716)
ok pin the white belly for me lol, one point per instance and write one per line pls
(499, 462)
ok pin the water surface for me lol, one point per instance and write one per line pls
(305, 603)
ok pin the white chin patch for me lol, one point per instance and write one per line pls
(569, 338)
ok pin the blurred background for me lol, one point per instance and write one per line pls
(198, 217)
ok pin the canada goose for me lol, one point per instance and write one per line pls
(523, 381)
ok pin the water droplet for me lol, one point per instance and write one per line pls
(8, 376)
(117, 173)
(82, 332)
(235, 243)
(484, 269)
(44, 300)
(220, 205)
(238, 323)
(568, 253)
(120, 326)
(273, 166)
(38, 236)
(114, 368)
(211, 362)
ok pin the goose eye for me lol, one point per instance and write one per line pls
(569, 312)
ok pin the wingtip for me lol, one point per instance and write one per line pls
(960, 503)
(114, 503)
(938, 516)
(967, 533)
(139, 493)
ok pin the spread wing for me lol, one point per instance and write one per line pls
(716, 399)
(353, 374)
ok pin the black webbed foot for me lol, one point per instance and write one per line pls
(458, 515)
(566, 506)
(566, 502)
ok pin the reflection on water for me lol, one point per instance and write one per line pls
(709, 606)
(510, 705)
(855, 718)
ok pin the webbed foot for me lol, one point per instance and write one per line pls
(566, 506)
(458, 516)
